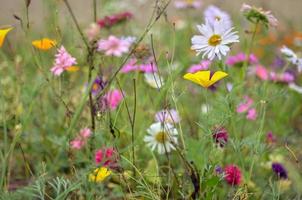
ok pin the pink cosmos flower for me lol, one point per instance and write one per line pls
(113, 98)
(167, 116)
(203, 65)
(262, 72)
(243, 107)
(80, 141)
(241, 58)
(251, 114)
(114, 46)
(246, 107)
(106, 157)
(181, 4)
(63, 60)
(232, 175)
(132, 65)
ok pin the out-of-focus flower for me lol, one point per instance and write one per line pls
(205, 78)
(220, 136)
(292, 57)
(154, 80)
(113, 46)
(182, 4)
(106, 157)
(243, 107)
(256, 15)
(113, 99)
(232, 175)
(132, 65)
(80, 141)
(246, 107)
(279, 170)
(214, 14)
(63, 61)
(163, 136)
(262, 73)
(295, 87)
(97, 86)
(109, 21)
(214, 40)
(239, 59)
(270, 138)
(251, 114)
(229, 87)
(44, 44)
(167, 116)
(203, 65)
(3, 33)
(99, 174)
(285, 77)
(218, 170)
(93, 31)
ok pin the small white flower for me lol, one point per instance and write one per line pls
(163, 136)
(213, 13)
(205, 108)
(214, 40)
(154, 80)
(292, 57)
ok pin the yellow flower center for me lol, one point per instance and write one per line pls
(189, 1)
(161, 137)
(214, 40)
(217, 18)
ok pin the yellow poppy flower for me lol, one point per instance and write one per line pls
(44, 44)
(72, 68)
(204, 78)
(3, 33)
(99, 174)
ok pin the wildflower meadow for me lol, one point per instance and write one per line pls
(150, 99)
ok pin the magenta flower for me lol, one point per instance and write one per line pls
(114, 46)
(240, 58)
(232, 175)
(167, 116)
(109, 21)
(220, 136)
(203, 65)
(270, 138)
(77, 143)
(113, 98)
(106, 157)
(285, 77)
(63, 60)
(132, 65)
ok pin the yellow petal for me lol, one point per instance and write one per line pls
(3, 33)
(73, 68)
(217, 76)
(44, 44)
(99, 174)
(203, 77)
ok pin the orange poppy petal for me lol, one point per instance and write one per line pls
(44, 44)
(73, 68)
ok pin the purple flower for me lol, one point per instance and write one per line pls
(168, 116)
(97, 86)
(279, 170)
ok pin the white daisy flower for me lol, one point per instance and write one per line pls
(154, 80)
(213, 13)
(292, 57)
(214, 40)
(163, 136)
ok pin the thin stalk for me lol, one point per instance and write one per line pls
(94, 10)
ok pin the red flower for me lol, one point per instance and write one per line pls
(232, 175)
(220, 136)
(109, 21)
